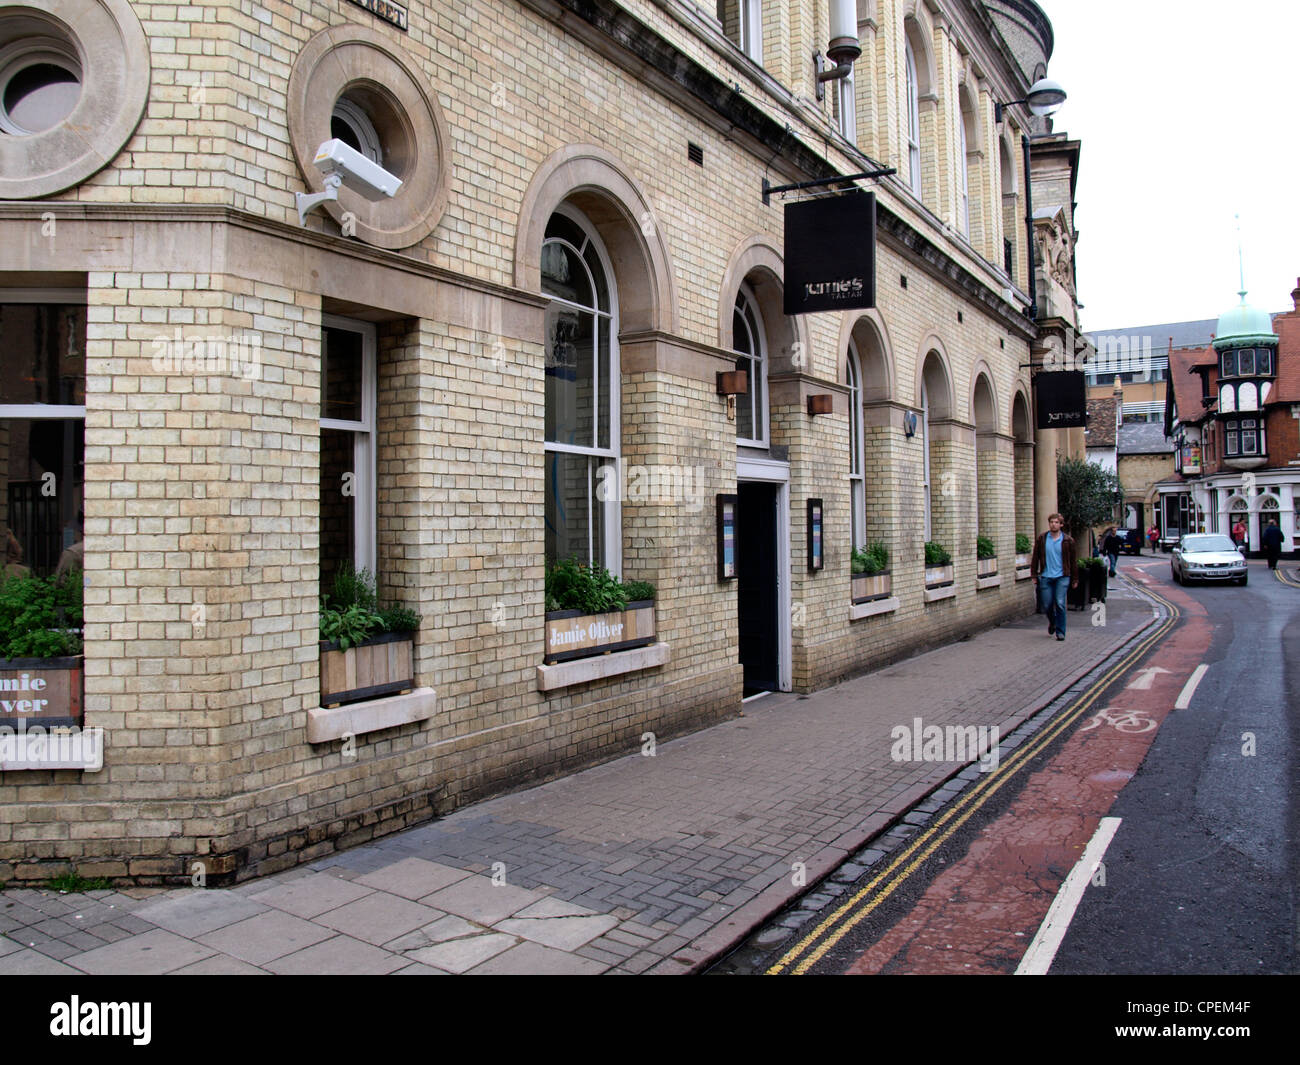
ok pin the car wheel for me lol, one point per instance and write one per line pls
(1243, 580)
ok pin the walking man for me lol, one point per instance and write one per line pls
(1272, 538)
(1110, 548)
(1055, 570)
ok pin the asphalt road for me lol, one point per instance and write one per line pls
(1201, 875)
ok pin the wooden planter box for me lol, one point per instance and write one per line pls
(986, 567)
(572, 634)
(383, 665)
(1023, 561)
(41, 691)
(938, 576)
(869, 586)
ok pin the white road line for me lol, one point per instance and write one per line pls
(1189, 689)
(1042, 951)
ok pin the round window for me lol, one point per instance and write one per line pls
(350, 124)
(40, 84)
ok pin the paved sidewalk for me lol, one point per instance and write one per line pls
(645, 864)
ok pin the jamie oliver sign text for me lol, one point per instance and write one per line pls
(830, 253)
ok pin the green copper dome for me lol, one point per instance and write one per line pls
(1244, 324)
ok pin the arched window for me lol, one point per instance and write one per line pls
(748, 342)
(913, 123)
(582, 427)
(963, 176)
(857, 492)
(925, 454)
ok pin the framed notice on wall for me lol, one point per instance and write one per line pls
(816, 558)
(727, 538)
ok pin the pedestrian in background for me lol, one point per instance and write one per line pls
(1110, 548)
(1153, 534)
(1272, 538)
(1239, 533)
(1055, 570)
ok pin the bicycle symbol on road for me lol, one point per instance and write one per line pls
(1120, 720)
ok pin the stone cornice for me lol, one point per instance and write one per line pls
(216, 215)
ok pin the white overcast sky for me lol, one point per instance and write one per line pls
(1187, 115)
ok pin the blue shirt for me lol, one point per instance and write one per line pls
(1052, 553)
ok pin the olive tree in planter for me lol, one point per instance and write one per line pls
(590, 612)
(870, 569)
(986, 557)
(938, 565)
(41, 665)
(365, 652)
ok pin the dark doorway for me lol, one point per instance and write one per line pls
(756, 581)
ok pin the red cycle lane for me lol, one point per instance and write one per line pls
(980, 914)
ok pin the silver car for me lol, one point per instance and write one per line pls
(1207, 557)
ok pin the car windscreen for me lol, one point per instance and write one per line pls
(1207, 543)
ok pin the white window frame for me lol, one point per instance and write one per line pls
(913, 121)
(758, 379)
(925, 457)
(963, 174)
(857, 451)
(365, 480)
(612, 541)
(48, 411)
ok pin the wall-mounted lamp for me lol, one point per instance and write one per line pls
(1044, 97)
(909, 423)
(844, 46)
(732, 383)
(819, 403)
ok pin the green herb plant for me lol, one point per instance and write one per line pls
(573, 585)
(872, 560)
(936, 554)
(985, 548)
(41, 617)
(1023, 546)
(350, 612)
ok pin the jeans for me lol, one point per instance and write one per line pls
(1114, 561)
(1051, 596)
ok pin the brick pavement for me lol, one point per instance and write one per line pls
(648, 863)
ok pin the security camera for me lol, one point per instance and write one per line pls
(344, 165)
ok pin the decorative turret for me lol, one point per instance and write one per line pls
(1247, 350)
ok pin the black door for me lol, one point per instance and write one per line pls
(756, 585)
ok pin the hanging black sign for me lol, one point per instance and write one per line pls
(1062, 399)
(830, 253)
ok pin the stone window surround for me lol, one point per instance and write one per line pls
(115, 75)
(358, 59)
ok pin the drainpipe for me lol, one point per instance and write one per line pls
(1029, 230)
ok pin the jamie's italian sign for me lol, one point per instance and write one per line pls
(830, 253)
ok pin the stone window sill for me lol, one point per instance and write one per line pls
(370, 715)
(875, 606)
(988, 582)
(1022, 574)
(599, 667)
(933, 595)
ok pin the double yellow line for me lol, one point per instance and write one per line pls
(1284, 578)
(817, 943)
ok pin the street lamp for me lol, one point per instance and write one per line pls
(1044, 97)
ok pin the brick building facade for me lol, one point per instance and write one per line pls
(441, 386)
(1233, 412)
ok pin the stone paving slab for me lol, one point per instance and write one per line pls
(643, 864)
(155, 951)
